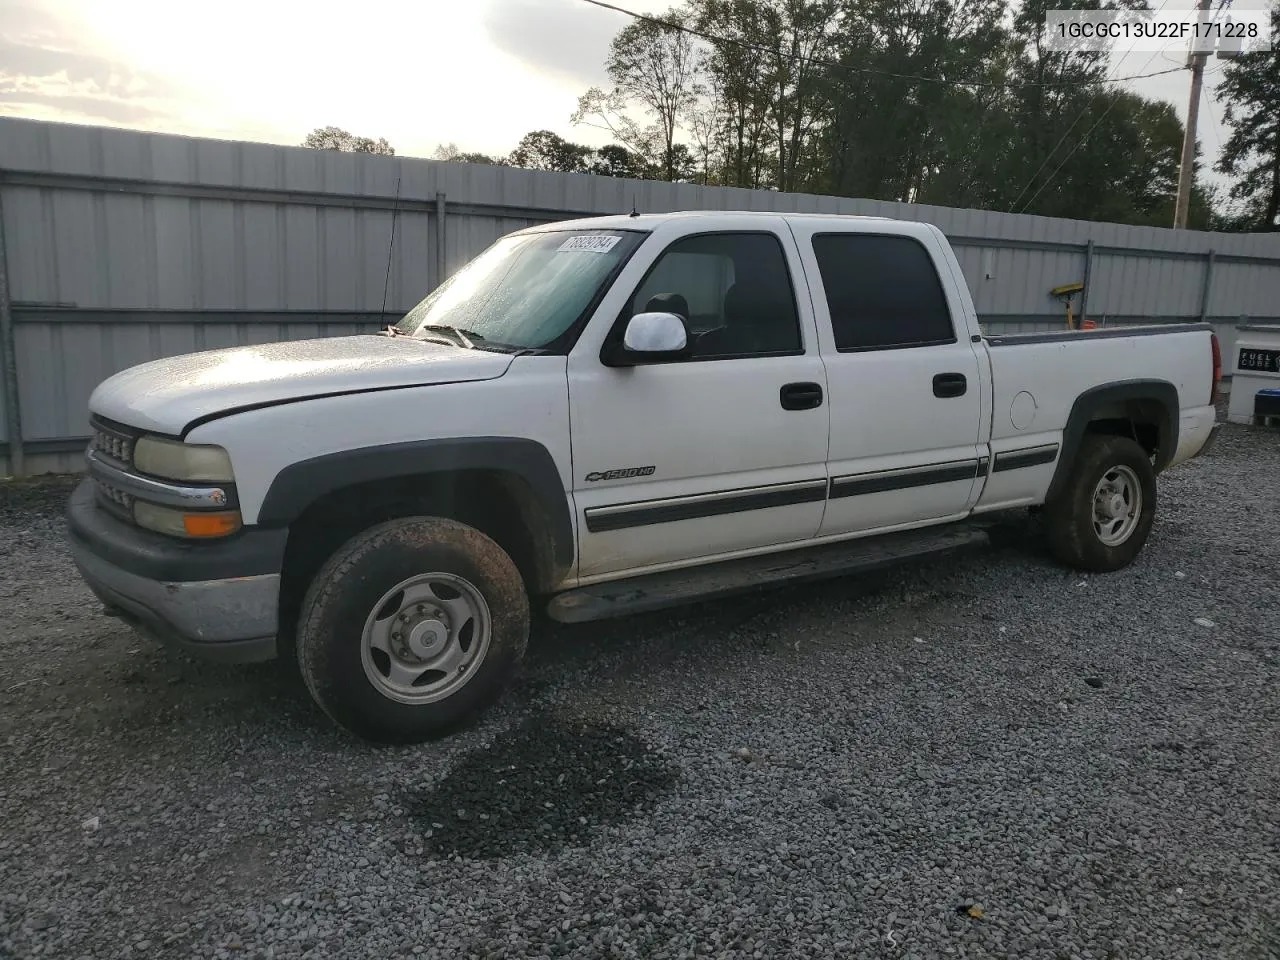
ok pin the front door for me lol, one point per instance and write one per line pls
(719, 453)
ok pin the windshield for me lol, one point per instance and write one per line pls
(524, 291)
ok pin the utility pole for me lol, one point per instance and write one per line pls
(1186, 171)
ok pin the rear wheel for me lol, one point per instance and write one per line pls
(411, 628)
(1102, 517)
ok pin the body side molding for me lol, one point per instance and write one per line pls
(1025, 457)
(904, 478)
(644, 512)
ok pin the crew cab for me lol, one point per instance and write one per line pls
(603, 416)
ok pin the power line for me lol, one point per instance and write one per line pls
(817, 61)
(1070, 153)
(1218, 128)
(1208, 96)
(1208, 102)
(1013, 207)
(1045, 162)
(1221, 5)
(1063, 139)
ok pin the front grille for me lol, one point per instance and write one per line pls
(114, 444)
(113, 500)
(112, 441)
(113, 494)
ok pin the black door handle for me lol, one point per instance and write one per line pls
(800, 396)
(950, 385)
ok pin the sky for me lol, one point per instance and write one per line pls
(421, 73)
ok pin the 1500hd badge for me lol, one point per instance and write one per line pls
(623, 473)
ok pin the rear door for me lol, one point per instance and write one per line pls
(725, 451)
(904, 380)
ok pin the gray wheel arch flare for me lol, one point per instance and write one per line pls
(1161, 394)
(301, 484)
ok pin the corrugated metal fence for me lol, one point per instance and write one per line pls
(119, 247)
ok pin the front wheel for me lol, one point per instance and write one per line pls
(411, 628)
(1102, 517)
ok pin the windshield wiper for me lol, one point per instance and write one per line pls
(464, 336)
(394, 331)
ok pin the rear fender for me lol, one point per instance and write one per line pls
(1154, 400)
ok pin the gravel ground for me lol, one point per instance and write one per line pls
(988, 756)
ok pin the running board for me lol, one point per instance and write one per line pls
(674, 587)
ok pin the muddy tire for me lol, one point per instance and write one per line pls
(1103, 515)
(411, 628)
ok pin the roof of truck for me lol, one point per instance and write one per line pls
(650, 220)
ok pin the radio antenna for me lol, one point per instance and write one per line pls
(386, 283)
(634, 213)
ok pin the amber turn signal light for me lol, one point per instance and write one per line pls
(211, 524)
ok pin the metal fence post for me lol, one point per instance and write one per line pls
(1088, 273)
(1207, 286)
(9, 369)
(441, 234)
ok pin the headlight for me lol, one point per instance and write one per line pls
(182, 523)
(174, 460)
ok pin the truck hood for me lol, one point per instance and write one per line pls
(169, 396)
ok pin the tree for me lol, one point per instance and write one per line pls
(728, 122)
(708, 121)
(1250, 88)
(683, 164)
(544, 150)
(335, 138)
(450, 153)
(1134, 150)
(608, 111)
(655, 66)
(886, 135)
(615, 160)
(787, 37)
(1060, 98)
(949, 102)
(736, 74)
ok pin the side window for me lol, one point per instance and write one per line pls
(883, 292)
(734, 291)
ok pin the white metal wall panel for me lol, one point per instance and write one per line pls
(29, 244)
(42, 384)
(159, 245)
(1144, 286)
(1244, 290)
(33, 145)
(414, 270)
(1021, 279)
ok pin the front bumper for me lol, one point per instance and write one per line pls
(217, 601)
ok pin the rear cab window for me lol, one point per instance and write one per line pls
(882, 291)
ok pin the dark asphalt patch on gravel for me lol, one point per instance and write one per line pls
(540, 786)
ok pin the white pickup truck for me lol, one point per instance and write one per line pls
(609, 415)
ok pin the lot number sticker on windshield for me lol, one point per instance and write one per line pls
(592, 244)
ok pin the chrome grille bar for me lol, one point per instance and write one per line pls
(110, 477)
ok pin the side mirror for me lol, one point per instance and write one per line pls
(649, 338)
